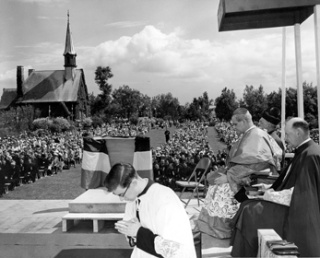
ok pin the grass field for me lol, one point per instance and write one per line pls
(66, 185)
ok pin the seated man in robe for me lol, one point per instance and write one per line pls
(291, 206)
(252, 152)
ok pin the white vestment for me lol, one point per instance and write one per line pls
(161, 211)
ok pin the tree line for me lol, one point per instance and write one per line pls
(128, 103)
(257, 101)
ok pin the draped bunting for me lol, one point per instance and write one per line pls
(100, 154)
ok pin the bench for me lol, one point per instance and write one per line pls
(98, 219)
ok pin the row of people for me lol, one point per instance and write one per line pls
(21, 158)
(230, 213)
(290, 205)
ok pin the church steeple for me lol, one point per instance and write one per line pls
(69, 55)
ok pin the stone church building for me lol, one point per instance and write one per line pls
(52, 92)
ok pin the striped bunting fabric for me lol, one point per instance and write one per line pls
(100, 154)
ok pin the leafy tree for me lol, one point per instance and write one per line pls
(127, 100)
(96, 105)
(274, 99)
(310, 101)
(200, 108)
(102, 75)
(166, 106)
(145, 106)
(255, 100)
(205, 103)
(17, 120)
(40, 123)
(225, 104)
(182, 112)
(291, 102)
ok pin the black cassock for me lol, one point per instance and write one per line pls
(299, 223)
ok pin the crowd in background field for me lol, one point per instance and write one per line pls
(177, 158)
(24, 158)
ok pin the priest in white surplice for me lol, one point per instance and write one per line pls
(155, 221)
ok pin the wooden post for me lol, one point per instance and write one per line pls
(317, 37)
(283, 95)
(299, 69)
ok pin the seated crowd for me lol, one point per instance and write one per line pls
(22, 158)
(177, 158)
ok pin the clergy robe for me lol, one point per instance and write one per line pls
(166, 229)
(253, 152)
(299, 223)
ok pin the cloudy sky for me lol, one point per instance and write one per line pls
(152, 46)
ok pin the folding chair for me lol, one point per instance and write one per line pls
(197, 180)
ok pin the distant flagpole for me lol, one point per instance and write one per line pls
(283, 95)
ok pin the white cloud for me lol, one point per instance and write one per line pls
(152, 51)
(251, 59)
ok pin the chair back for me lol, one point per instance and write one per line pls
(201, 169)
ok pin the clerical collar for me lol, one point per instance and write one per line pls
(249, 129)
(303, 142)
(150, 182)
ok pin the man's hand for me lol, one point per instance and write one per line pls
(262, 187)
(221, 180)
(128, 227)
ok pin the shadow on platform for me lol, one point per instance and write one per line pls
(66, 209)
(96, 253)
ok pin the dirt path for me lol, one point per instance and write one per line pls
(214, 141)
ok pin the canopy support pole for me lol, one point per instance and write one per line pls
(297, 38)
(283, 95)
(317, 38)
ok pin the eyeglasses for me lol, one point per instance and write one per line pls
(124, 193)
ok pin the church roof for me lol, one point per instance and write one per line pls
(50, 86)
(7, 97)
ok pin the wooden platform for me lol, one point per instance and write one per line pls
(98, 219)
(33, 229)
(97, 201)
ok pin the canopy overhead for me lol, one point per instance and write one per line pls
(254, 14)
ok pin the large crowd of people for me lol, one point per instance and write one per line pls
(177, 158)
(24, 158)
